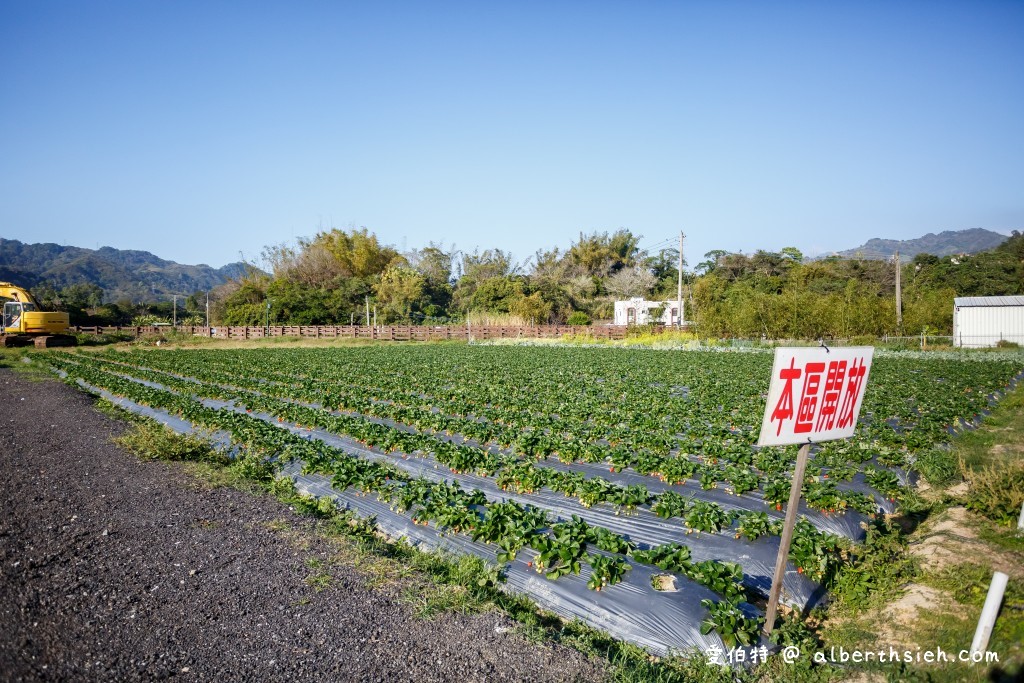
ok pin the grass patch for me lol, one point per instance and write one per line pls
(319, 578)
(952, 625)
(1006, 538)
(968, 585)
(18, 360)
(988, 445)
(105, 339)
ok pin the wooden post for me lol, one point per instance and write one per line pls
(787, 537)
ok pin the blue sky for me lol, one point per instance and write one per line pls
(201, 130)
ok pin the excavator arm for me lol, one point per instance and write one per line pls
(12, 291)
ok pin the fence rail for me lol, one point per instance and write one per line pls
(380, 332)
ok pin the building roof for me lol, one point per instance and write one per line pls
(971, 301)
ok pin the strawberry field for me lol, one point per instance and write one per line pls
(621, 487)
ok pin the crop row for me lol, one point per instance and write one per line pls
(816, 556)
(762, 472)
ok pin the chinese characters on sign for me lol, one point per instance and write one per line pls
(815, 394)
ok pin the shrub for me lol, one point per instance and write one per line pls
(578, 318)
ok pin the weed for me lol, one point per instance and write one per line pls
(319, 578)
(1007, 538)
(997, 491)
(978, 447)
(159, 442)
(940, 466)
(877, 569)
(968, 583)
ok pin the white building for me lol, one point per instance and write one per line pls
(637, 311)
(980, 321)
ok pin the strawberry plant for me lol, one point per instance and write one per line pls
(629, 498)
(729, 623)
(605, 571)
(671, 504)
(753, 525)
(725, 578)
(705, 516)
(742, 479)
(670, 557)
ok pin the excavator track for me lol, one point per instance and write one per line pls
(48, 341)
(54, 340)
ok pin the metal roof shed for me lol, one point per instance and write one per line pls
(982, 321)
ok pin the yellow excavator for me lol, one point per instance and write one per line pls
(24, 323)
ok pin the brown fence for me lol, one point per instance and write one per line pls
(380, 332)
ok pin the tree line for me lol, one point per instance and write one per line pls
(339, 276)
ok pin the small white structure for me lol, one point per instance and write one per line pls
(637, 311)
(981, 321)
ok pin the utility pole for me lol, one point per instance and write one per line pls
(899, 298)
(207, 308)
(679, 294)
(367, 311)
(174, 318)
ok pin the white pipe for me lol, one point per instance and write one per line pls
(989, 612)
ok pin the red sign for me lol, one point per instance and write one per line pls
(815, 395)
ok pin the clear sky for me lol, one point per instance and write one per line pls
(199, 130)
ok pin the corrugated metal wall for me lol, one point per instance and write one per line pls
(982, 326)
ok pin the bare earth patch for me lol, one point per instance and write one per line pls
(951, 540)
(897, 619)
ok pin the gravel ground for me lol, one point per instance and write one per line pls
(116, 569)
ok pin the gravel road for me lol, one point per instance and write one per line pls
(112, 568)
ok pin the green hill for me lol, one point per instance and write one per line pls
(946, 243)
(123, 274)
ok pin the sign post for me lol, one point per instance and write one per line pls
(815, 396)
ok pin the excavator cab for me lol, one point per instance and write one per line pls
(13, 311)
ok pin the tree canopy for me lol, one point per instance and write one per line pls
(333, 277)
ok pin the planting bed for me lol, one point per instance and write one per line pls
(587, 476)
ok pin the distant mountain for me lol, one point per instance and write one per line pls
(948, 243)
(123, 274)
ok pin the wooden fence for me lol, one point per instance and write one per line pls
(380, 332)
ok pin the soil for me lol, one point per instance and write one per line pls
(113, 568)
(950, 540)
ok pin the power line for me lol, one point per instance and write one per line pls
(658, 245)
